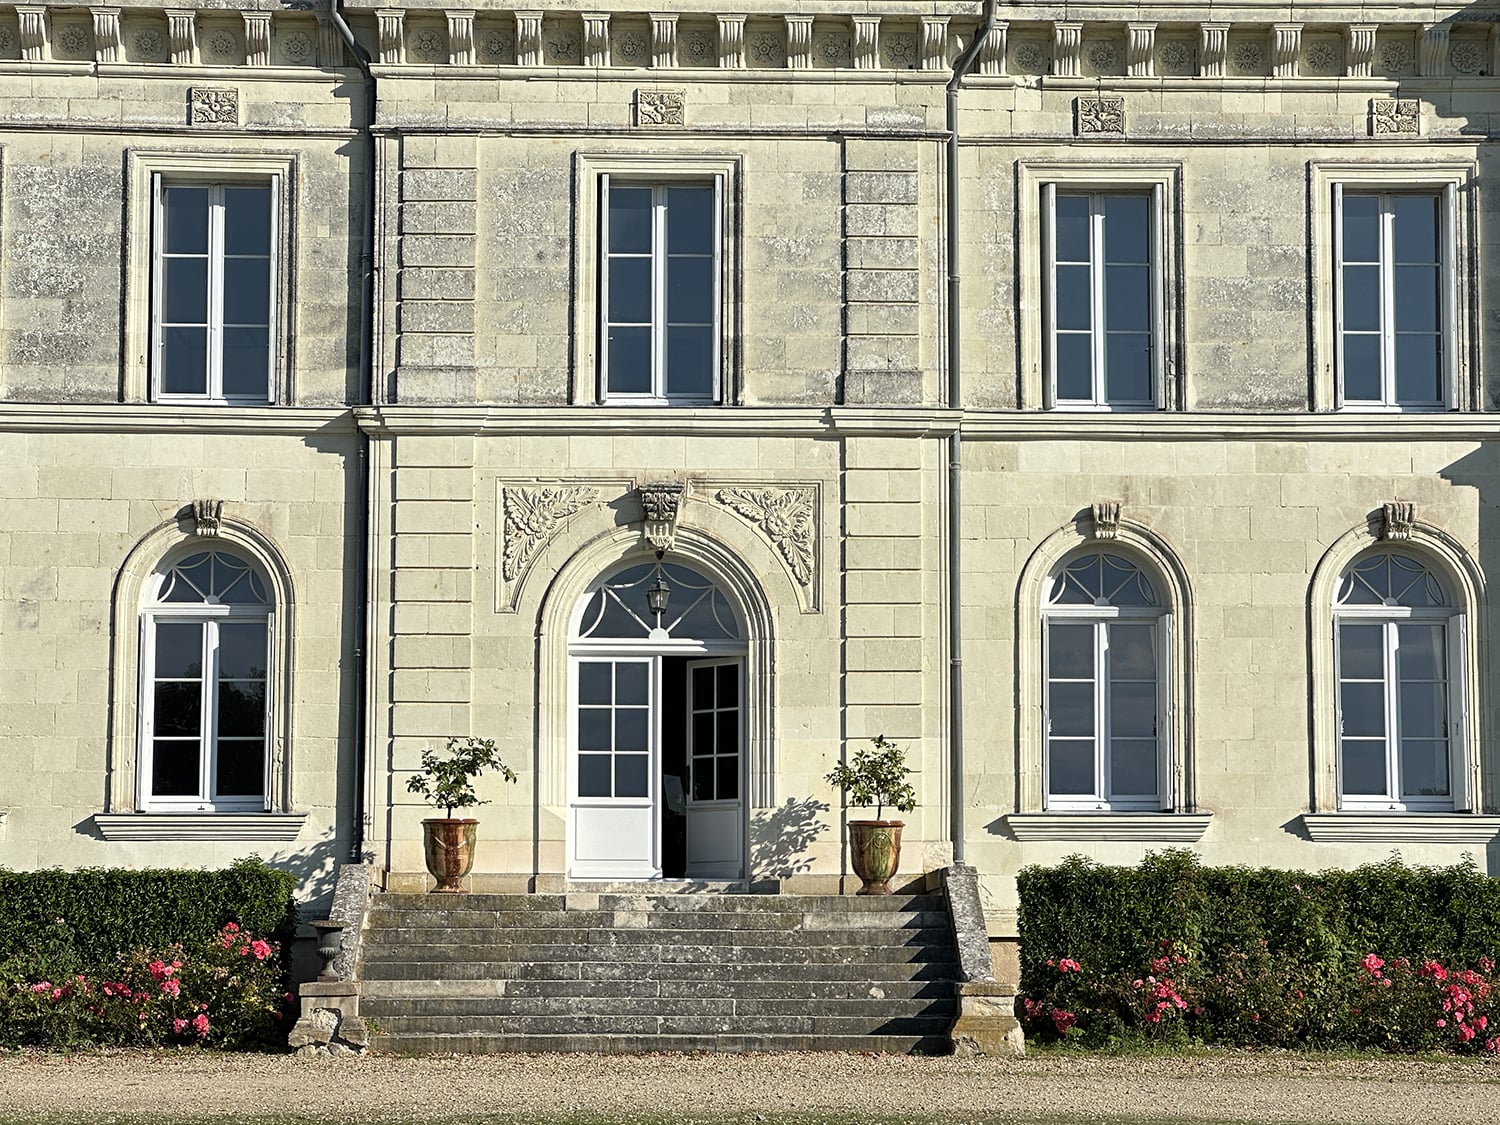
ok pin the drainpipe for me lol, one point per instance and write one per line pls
(366, 367)
(961, 67)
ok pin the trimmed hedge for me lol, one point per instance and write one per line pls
(81, 921)
(1172, 949)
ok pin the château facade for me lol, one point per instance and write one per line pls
(1099, 400)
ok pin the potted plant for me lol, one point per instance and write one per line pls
(448, 783)
(877, 776)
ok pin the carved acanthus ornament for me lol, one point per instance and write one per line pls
(784, 516)
(732, 42)
(1101, 117)
(1213, 46)
(661, 504)
(1395, 116)
(208, 516)
(934, 42)
(1359, 49)
(532, 516)
(1286, 49)
(211, 105)
(1140, 49)
(1067, 47)
(1106, 514)
(660, 107)
(461, 38)
(1398, 516)
(992, 51)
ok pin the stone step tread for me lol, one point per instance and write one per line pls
(863, 970)
(470, 937)
(584, 1004)
(648, 1044)
(465, 921)
(670, 953)
(379, 991)
(714, 903)
(653, 1024)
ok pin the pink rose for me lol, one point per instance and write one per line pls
(1372, 963)
(170, 988)
(262, 950)
(200, 1024)
(179, 1026)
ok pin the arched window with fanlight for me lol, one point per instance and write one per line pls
(206, 628)
(1398, 653)
(1107, 696)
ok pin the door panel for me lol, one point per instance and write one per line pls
(612, 770)
(715, 809)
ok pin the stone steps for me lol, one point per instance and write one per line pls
(623, 971)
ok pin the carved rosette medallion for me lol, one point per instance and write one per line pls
(1100, 117)
(1176, 57)
(1395, 117)
(209, 105)
(660, 107)
(784, 516)
(532, 516)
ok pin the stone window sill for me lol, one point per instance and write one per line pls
(270, 828)
(1160, 828)
(1398, 828)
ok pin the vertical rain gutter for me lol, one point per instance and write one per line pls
(366, 367)
(957, 796)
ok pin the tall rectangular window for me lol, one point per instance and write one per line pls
(660, 291)
(214, 292)
(1395, 284)
(1104, 298)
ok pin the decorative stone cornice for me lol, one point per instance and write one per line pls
(531, 517)
(785, 517)
(1161, 828)
(1400, 828)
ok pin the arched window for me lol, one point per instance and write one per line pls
(1106, 686)
(1398, 659)
(206, 628)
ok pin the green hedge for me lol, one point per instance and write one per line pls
(80, 921)
(1173, 949)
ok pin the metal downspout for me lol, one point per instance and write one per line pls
(961, 67)
(366, 366)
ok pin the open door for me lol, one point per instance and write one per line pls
(614, 774)
(715, 808)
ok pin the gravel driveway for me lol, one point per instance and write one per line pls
(160, 1086)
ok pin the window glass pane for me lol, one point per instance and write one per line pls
(1072, 223)
(630, 775)
(178, 709)
(1361, 652)
(1417, 299)
(1073, 309)
(179, 650)
(1363, 709)
(728, 723)
(690, 362)
(1070, 651)
(1420, 652)
(1071, 709)
(594, 684)
(1070, 767)
(1132, 710)
(1127, 298)
(1424, 710)
(729, 779)
(1390, 579)
(690, 291)
(629, 220)
(242, 651)
(186, 283)
(241, 767)
(1361, 298)
(1418, 369)
(593, 728)
(632, 683)
(247, 220)
(1075, 363)
(1132, 652)
(1361, 368)
(690, 219)
(247, 291)
(629, 360)
(1132, 767)
(1424, 768)
(1363, 767)
(247, 360)
(242, 708)
(630, 729)
(187, 219)
(185, 361)
(1416, 228)
(703, 686)
(1361, 227)
(1126, 228)
(630, 290)
(703, 732)
(1127, 367)
(703, 779)
(729, 685)
(174, 767)
(594, 775)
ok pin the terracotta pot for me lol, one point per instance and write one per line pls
(875, 853)
(449, 846)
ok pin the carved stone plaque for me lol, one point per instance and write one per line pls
(208, 105)
(1101, 116)
(1397, 116)
(660, 107)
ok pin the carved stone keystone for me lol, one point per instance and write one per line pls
(661, 503)
(207, 516)
(1398, 517)
(1107, 519)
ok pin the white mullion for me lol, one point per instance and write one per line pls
(602, 392)
(1387, 300)
(1448, 320)
(1461, 788)
(1097, 350)
(1102, 792)
(1338, 296)
(659, 291)
(215, 331)
(1155, 263)
(1049, 250)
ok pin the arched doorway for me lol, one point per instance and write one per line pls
(656, 728)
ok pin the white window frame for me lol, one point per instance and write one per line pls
(1038, 184)
(1101, 617)
(593, 174)
(145, 171)
(1455, 184)
(210, 615)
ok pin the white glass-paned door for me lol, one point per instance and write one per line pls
(715, 828)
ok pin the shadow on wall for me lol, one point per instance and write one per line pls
(781, 837)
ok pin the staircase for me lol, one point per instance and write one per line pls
(658, 972)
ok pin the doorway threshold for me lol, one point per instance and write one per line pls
(658, 886)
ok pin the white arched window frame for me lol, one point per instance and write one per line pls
(1107, 695)
(206, 676)
(1400, 654)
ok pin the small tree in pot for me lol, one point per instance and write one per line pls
(447, 782)
(876, 776)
